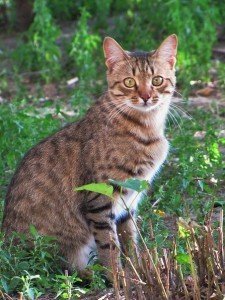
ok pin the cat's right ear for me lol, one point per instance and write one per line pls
(113, 52)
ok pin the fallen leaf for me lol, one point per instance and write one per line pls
(205, 92)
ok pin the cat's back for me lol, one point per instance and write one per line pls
(42, 187)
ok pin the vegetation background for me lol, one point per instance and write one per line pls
(52, 69)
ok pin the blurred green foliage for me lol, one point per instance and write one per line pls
(40, 52)
(83, 47)
(136, 24)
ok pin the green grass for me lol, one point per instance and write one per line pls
(191, 181)
(189, 184)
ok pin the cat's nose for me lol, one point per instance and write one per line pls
(145, 97)
(145, 100)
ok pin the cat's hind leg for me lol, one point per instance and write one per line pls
(79, 258)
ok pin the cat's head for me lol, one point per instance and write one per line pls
(141, 80)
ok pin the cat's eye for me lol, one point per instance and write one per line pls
(157, 80)
(129, 82)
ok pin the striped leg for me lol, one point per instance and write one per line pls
(103, 226)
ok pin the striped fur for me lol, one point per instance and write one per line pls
(121, 136)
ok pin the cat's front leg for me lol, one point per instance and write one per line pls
(103, 226)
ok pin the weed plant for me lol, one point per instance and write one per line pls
(136, 25)
(40, 53)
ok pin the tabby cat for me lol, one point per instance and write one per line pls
(121, 137)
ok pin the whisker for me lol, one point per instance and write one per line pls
(186, 114)
(177, 114)
(119, 108)
(179, 94)
(122, 109)
(175, 120)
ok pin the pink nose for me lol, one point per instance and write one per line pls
(145, 96)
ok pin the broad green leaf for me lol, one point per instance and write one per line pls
(23, 265)
(132, 183)
(183, 258)
(101, 188)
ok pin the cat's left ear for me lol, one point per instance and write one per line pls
(167, 51)
(113, 52)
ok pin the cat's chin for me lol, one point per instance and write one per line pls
(144, 109)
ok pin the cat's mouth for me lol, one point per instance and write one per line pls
(143, 107)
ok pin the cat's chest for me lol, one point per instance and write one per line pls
(126, 202)
(131, 199)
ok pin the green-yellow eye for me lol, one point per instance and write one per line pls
(157, 80)
(129, 82)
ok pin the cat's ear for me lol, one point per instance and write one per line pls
(167, 51)
(113, 52)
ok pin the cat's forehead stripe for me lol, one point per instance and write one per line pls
(141, 62)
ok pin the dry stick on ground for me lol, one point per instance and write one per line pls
(164, 294)
(155, 251)
(186, 294)
(220, 242)
(2, 295)
(127, 293)
(206, 262)
(138, 280)
(196, 290)
(114, 264)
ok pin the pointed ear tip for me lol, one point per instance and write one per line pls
(174, 37)
(106, 39)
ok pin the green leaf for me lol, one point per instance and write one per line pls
(132, 183)
(23, 265)
(183, 232)
(4, 285)
(65, 296)
(219, 203)
(14, 282)
(201, 184)
(101, 188)
(33, 231)
(183, 258)
(30, 293)
(97, 267)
